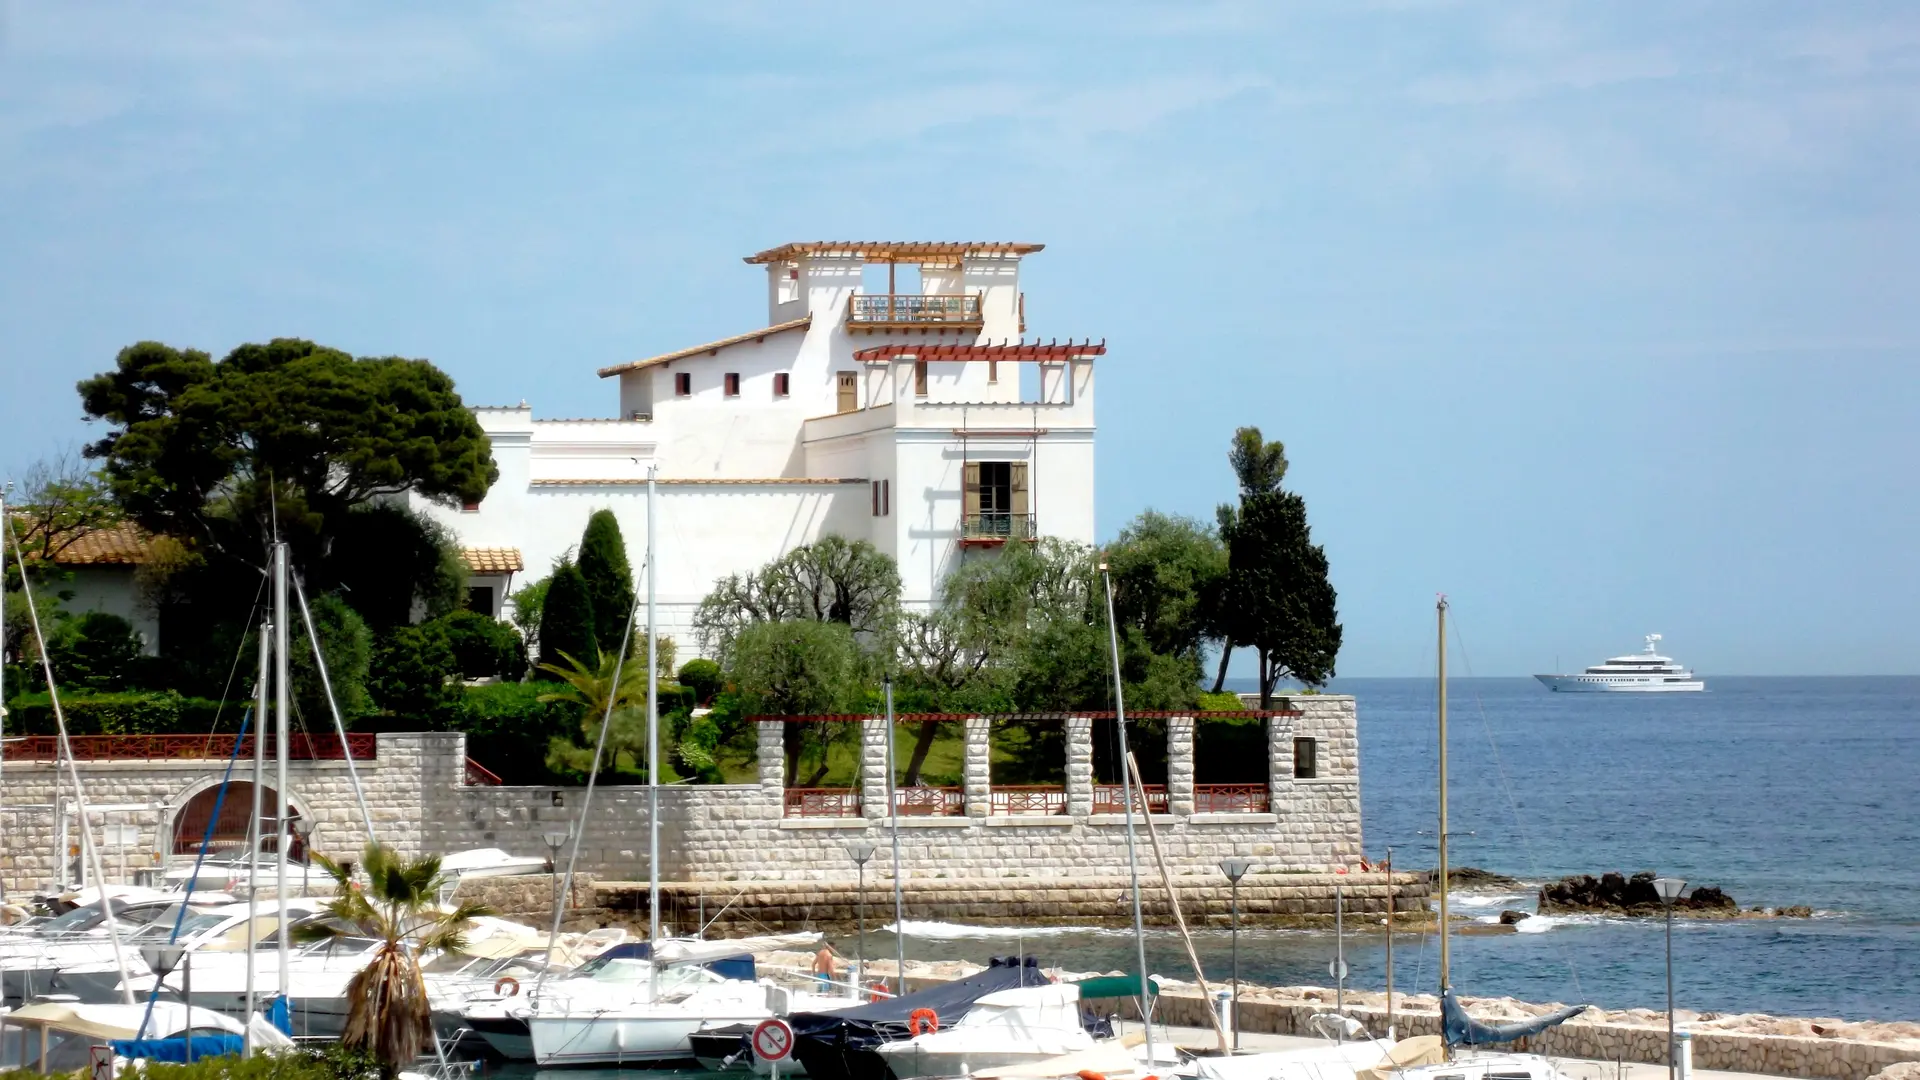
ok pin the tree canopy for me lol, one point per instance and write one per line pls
(609, 578)
(566, 622)
(286, 436)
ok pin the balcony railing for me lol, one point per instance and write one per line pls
(822, 802)
(912, 309)
(997, 526)
(1112, 798)
(1230, 798)
(364, 745)
(1027, 800)
(930, 801)
(479, 775)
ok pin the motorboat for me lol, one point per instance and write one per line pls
(489, 862)
(845, 1044)
(1007, 1027)
(1646, 672)
(59, 1036)
(29, 964)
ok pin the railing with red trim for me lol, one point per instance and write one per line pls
(822, 802)
(479, 775)
(1027, 799)
(930, 801)
(363, 744)
(1230, 798)
(1112, 798)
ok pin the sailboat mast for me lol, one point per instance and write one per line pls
(282, 710)
(1133, 862)
(653, 733)
(1445, 956)
(893, 821)
(253, 822)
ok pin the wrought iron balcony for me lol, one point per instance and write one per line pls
(891, 310)
(996, 527)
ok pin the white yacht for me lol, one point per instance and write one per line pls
(1646, 673)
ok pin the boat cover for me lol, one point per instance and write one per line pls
(738, 965)
(1463, 1030)
(838, 1045)
(175, 1049)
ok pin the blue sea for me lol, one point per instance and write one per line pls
(1781, 791)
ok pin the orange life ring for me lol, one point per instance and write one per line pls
(923, 1022)
(876, 991)
(507, 985)
(1089, 1074)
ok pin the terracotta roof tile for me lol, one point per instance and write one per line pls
(120, 545)
(492, 560)
(712, 346)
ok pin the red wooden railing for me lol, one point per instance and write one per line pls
(1230, 798)
(479, 775)
(364, 745)
(930, 801)
(822, 802)
(1112, 798)
(1027, 799)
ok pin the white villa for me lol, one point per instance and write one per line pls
(894, 417)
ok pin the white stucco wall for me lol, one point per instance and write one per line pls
(112, 589)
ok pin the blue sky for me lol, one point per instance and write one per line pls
(1603, 319)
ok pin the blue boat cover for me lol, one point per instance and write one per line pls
(175, 1049)
(1463, 1030)
(280, 1015)
(727, 967)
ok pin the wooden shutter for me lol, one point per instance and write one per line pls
(1017, 497)
(972, 493)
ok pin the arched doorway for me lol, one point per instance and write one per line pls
(229, 835)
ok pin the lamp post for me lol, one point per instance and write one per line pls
(303, 830)
(860, 851)
(1235, 869)
(1669, 890)
(556, 839)
(163, 959)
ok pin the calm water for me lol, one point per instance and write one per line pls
(1780, 790)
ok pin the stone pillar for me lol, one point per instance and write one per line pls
(1180, 764)
(1079, 766)
(1279, 763)
(873, 767)
(978, 775)
(773, 762)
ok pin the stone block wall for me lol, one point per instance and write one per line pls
(416, 791)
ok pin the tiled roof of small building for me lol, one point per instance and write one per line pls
(118, 545)
(492, 560)
(710, 347)
(894, 250)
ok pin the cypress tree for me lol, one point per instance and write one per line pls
(609, 577)
(566, 621)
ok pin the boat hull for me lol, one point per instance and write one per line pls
(1579, 684)
(612, 1039)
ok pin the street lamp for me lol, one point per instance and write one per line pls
(1235, 869)
(303, 830)
(1669, 889)
(163, 959)
(860, 851)
(556, 839)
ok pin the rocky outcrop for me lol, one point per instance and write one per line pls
(1472, 877)
(1613, 893)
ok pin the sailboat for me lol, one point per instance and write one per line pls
(1457, 1027)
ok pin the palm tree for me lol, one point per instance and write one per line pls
(387, 1009)
(592, 689)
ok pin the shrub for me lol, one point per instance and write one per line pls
(152, 713)
(508, 728)
(347, 645)
(566, 621)
(410, 672)
(702, 677)
(608, 577)
(1221, 702)
(95, 651)
(482, 647)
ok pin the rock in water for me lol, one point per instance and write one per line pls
(1614, 893)
(1511, 917)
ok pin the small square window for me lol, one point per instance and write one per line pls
(683, 384)
(886, 498)
(1306, 758)
(993, 371)
(470, 506)
(733, 384)
(781, 386)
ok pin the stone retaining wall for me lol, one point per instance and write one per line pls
(1779, 1055)
(1265, 900)
(420, 801)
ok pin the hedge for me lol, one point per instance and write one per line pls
(163, 712)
